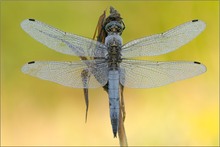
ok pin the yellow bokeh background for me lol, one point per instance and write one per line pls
(37, 112)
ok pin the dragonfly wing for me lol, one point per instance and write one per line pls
(63, 42)
(70, 73)
(149, 74)
(165, 42)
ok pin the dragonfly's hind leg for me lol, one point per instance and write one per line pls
(122, 104)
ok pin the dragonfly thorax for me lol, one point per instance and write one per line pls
(114, 43)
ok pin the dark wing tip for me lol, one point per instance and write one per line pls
(31, 19)
(31, 62)
(195, 20)
(197, 62)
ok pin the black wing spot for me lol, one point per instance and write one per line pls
(32, 19)
(31, 62)
(197, 62)
(195, 20)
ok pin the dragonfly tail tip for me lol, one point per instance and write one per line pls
(115, 135)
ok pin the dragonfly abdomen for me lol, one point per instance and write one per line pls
(114, 99)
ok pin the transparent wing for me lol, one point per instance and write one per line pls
(93, 74)
(165, 42)
(149, 74)
(63, 42)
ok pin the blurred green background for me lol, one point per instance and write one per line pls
(37, 112)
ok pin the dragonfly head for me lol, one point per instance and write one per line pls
(114, 27)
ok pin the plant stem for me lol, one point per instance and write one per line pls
(121, 129)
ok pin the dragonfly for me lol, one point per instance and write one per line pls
(112, 62)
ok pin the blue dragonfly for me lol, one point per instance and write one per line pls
(111, 62)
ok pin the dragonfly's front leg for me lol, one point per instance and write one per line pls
(122, 104)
